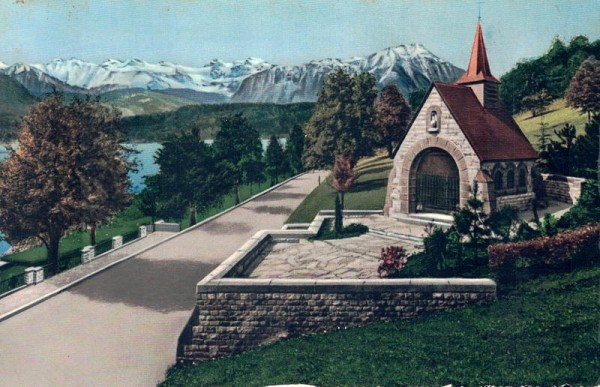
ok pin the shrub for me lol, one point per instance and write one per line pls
(393, 259)
(549, 251)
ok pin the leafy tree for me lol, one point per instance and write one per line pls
(343, 177)
(392, 116)
(102, 163)
(59, 177)
(191, 178)
(363, 110)
(543, 137)
(416, 98)
(294, 149)
(332, 116)
(584, 90)
(275, 160)
(147, 200)
(552, 72)
(254, 171)
(561, 152)
(343, 121)
(537, 102)
(236, 142)
(586, 155)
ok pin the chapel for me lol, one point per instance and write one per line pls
(461, 136)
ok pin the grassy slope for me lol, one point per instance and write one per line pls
(15, 101)
(367, 194)
(139, 102)
(558, 114)
(543, 333)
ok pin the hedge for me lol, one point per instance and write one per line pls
(548, 251)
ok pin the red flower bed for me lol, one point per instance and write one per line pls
(393, 259)
(548, 251)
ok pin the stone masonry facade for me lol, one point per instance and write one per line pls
(449, 138)
(235, 318)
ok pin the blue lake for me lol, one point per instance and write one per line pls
(145, 160)
(146, 167)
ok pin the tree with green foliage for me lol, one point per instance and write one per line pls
(416, 98)
(537, 102)
(68, 169)
(253, 171)
(236, 142)
(586, 153)
(342, 123)
(294, 149)
(392, 117)
(147, 200)
(191, 177)
(584, 90)
(552, 72)
(102, 161)
(275, 160)
(363, 110)
(560, 153)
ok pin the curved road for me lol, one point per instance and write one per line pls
(120, 327)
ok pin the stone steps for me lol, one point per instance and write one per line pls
(396, 235)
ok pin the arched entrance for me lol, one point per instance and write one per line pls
(437, 181)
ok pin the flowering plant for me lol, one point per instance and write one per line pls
(393, 259)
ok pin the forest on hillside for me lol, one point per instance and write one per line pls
(267, 119)
(549, 74)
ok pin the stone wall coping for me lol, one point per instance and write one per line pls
(256, 241)
(266, 285)
(572, 179)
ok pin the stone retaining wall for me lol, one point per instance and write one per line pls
(565, 189)
(234, 315)
(520, 202)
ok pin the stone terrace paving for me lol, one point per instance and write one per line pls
(351, 258)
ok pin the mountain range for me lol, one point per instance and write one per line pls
(410, 67)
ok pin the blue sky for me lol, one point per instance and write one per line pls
(284, 32)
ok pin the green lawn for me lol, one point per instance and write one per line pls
(557, 115)
(367, 194)
(542, 333)
(128, 221)
(78, 239)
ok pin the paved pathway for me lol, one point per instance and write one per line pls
(50, 285)
(120, 327)
(349, 258)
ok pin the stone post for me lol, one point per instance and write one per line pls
(143, 231)
(117, 241)
(39, 274)
(30, 276)
(88, 254)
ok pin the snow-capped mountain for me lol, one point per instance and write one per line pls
(216, 77)
(36, 81)
(410, 67)
(3, 65)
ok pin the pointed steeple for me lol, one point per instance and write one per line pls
(479, 67)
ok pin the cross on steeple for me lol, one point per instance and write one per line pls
(479, 13)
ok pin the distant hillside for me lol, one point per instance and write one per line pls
(134, 102)
(267, 118)
(557, 115)
(552, 71)
(15, 102)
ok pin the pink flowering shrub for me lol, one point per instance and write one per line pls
(393, 259)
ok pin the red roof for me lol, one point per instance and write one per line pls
(493, 133)
(479, 66)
